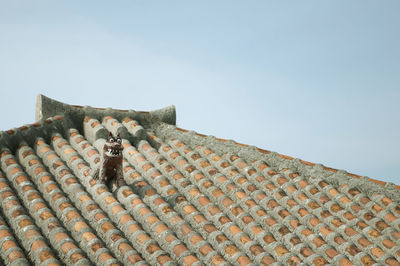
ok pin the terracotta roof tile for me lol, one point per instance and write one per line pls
(190, 199)
(100, 195)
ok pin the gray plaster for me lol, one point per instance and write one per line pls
(47, 107)
(167, 132)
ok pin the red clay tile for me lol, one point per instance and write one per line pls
(190, 260)
(377, 252)
(263, 151)
(195, 239)
(231, 250)
(320, 261)
(339, 240)
(303, 212)
(38, 244)
(45, 255)
(67, 246)
(314, 221)
(392, 262)
(285, 157)
(268, 260)
(382, 183)
(390, 217)
(337, 222)
(367, 260)
(256, 230)
(270, 221)
(250, 203)
(8, 244)
(303, 183)
(307, 163)
(269, 239)
(348, 216)
(388, 243)
(14, 255)
(291, 189)
(356, 208)
(313, 205)
(364, 200)
(284, 230)
(331, 253)
(281, 250)
(374, 233)
(313, 190)
(209, 228)
(386, 201)
(381, 225)
(293, 175)
(46, 215)
(318, 242)
(75, 257)
(326, 230)
(221, 239)
(180, 249)
(306, 252)
(353, 250)
(30, 234)
(302, 197)
(270, 186)
(345, 262)
(247, 219)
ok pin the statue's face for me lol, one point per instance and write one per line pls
(113, 146)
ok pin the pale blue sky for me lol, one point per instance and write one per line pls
(317, 80)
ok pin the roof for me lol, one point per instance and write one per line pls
(191, 199)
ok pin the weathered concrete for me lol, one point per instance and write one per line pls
(47, 107)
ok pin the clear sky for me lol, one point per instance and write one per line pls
(316, 80)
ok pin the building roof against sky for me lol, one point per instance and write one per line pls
(191, 199)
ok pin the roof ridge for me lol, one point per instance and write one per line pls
(47, 107)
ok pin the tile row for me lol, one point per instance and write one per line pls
(10, 250)
(103, 228)
(164, 183)
(159, 204)
(203, 205)
(24, 228)
(155, 181)
(139, 211)
(65, 208)
(384, 251)
(44, 217)
(329, 214)
(237, 204)
(322, 218)
(113, 209)
(273, 198)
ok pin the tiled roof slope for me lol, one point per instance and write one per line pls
(190, 199)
